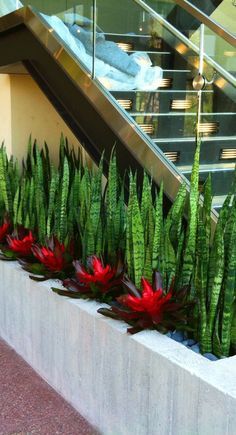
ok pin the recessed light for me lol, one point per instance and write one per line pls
(125, 46)
(208, 127)
(166, 83)
(126, 104)
(173, 156)
(181, 104)
(228, 154)
(147, 128)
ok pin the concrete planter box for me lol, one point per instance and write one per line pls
(145, 384)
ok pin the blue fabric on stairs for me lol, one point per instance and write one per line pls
(108, 51)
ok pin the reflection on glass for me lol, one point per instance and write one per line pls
(7, 6)
(115, 68)
(76, 30)
(222, 12)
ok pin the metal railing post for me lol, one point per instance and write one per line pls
(94, 37)
(199, 94)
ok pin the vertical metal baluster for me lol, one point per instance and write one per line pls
(199, 94)
(94, 36)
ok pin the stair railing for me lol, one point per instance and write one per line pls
(220, 31)
(209, 22)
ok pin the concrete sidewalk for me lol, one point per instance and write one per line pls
(28, 405)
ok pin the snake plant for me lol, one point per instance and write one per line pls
(73, 201)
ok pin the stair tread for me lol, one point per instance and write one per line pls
(218, 200)
(176, 70)
(176, 113)
(148, 52)
(192, 139)
(128, 35)
(214, 167)
(185, 91)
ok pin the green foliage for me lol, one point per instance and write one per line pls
(138, 242)
(215, 279)
(135, 235)
(190, 245)
(64, 193)
(73, 201)
(157, 250)
(53, 188)
(229, 284)
(6, 174)
(201, 278)
(115, 210)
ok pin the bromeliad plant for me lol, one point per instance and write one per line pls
(18, 245)
(54, 260)
(51, 256)
(151, 307)
(21, 246)
(4, 231)
(94, 281)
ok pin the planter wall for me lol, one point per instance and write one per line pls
(145, 384)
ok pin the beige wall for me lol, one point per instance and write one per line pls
(25, 110)
(5, 109)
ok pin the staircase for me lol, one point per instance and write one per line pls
(150, 128)
(168, 115)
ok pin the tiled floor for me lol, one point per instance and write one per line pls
(29, 406)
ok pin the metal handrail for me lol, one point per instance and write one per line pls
(231, 79)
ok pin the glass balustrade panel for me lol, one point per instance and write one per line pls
(217, 129)
(148, 69)
(72, 22)
(219, 49)
(182, 20)
(8, 6)
(221, 11)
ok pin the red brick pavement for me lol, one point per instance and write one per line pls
(29, 406)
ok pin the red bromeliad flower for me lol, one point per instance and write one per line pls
(4, 230)
(152, 302)
(52, 256)
(152, 308)
(21, 246)
(95, 281)
(96, 273)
